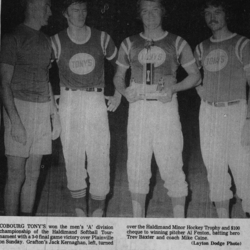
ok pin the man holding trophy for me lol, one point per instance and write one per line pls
(153, 124)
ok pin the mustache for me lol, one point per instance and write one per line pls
(213, 21)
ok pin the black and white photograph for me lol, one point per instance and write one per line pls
(124, 124)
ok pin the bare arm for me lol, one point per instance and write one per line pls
(56, 124)
(245, 135)
(115, 100)
(192, 80)
(53, 107)
(248, 101)
(119, 81)
(17, 129)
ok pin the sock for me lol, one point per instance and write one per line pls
(222, 208)
(79, 202)
(138, 204)
(178, 204)
(97, 205)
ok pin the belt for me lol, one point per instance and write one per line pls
(151, 99)
(86, 89)
(222, 104)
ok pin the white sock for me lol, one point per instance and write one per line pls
(222, 208)
(178, 211)
(138, 211)
(80, 212)
(222, 212)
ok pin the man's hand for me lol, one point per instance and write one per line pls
(245, 134)
(167, 92)
(169, 80)
(165, 95)
(132, 95)
(200, 90)
(18, 132)
(113, 101)
(56, 125)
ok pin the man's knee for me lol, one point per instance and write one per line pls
(32, 175)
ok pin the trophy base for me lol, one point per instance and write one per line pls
(150, 96)
(147, 92)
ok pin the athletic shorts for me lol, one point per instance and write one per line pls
(36, 120)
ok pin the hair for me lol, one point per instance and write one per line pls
(218, 3)
(139, 2)
(25, 4)
(28, 7)
(67, 3)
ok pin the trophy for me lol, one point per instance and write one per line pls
(148, 89)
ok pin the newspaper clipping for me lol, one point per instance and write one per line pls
(123, 233)
(124, 125)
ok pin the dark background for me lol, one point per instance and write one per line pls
(119, 18)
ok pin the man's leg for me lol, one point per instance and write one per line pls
(178, 204)
(15, 179)
(28, 194)
(222, 208)
(73, 121)
(79, 202)
(138, 204)
(168, 145)
(239, 155)
(214, 135)
(97, 150)
(140, 125)
(97, 206)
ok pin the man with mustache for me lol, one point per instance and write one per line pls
(29, 104)
(224, 119)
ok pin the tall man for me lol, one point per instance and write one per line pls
(80, 52)
(224, 124)
(153, 126)
(28, 102)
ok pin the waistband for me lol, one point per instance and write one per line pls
(86, 89)
(223, 104)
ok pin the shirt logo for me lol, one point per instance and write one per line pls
(216, 60)
(82, 64)
(155, 55)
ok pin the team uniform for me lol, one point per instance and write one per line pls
(223, 113)
(153, 126)
(30, 52)
(83, 112)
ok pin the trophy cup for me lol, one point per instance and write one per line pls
(148, 88)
